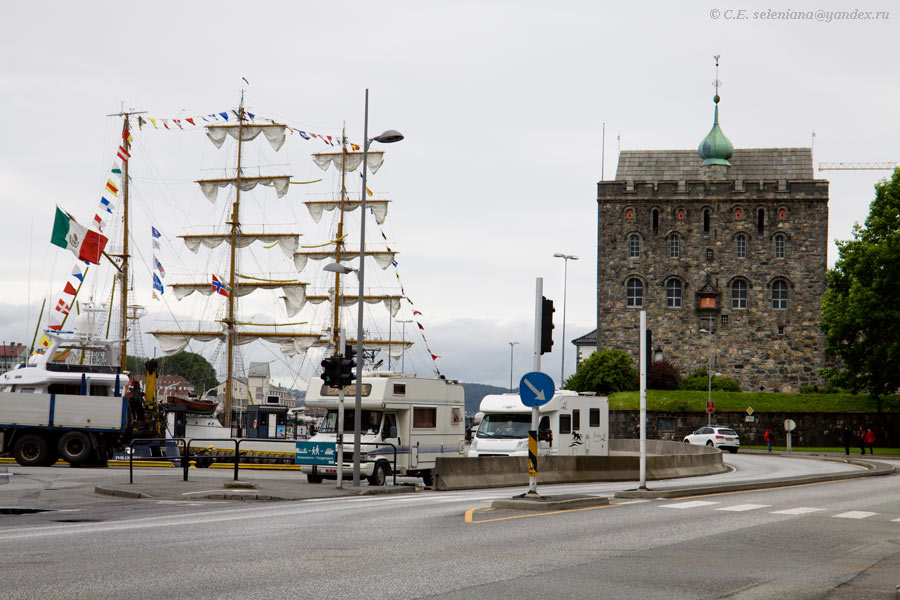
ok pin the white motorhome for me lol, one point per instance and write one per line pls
(423, 418)
(570, 424)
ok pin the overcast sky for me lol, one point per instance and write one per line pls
(502, 105)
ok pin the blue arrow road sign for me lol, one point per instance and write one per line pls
(536, 388)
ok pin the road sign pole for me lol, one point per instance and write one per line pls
(643, 363)
(339, 436)
(535, 411)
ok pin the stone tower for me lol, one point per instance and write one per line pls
(732, 242)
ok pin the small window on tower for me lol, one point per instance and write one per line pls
(737, 214)
(706, 217)
(782, 214)
(709, 254)
(680, 214)
(629, 213)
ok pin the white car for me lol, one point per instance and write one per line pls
(718, 437)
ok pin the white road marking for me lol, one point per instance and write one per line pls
(693, 504)
(855, 514)
(744, 507)
(895, 520)
(803, 510)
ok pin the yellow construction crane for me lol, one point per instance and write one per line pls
(858, 166)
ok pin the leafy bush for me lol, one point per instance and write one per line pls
(814, 389)
(699, 380)
(604, 372)
(663, 375)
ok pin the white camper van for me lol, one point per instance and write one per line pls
(423, 418)
(570, 424)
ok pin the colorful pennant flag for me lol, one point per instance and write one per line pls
(106, 204)
(159, 267)
(157, 284)
(112, 187)
(123, 154)
(70, 289)
(76, 273)
(154, 232)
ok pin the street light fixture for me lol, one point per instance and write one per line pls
(511, 344)
(566, 258)
(709, 374)
(388, 137)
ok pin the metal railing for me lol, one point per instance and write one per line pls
(149, 441)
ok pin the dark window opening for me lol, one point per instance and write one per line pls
(760, 220)
(706, 221)
(709, 254)
(576, 420)
(594, 417)
(565, 423)
(654, 220)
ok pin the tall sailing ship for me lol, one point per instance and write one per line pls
(297, 323)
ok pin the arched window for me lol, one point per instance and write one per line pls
(706, 217)
(673, 293)
(739, 294)
(740, 245)
(679, 214)
(779, 294)
(674, 246)
(634, 246)
(634, 293)
(654, 220)
(782, 214)
(780, 244)
(760, 220)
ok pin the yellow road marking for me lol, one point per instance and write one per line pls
(471, 512)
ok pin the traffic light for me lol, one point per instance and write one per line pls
(331, 371)
(547, 311)
(347, 365)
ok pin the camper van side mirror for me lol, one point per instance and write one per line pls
(545, 435)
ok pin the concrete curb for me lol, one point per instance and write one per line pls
(108, 491)
(873, 470)
(549, 503)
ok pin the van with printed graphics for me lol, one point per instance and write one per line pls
(571, 424)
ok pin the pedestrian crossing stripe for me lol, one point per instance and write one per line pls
(744, 507)
(693, 504)
(855, 514)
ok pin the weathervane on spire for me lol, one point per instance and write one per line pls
(716, 82)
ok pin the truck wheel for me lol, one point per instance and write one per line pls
(31, 450)
(52, 456)
(379, 474)
(75, 447)
(428, 478)
(313, 478)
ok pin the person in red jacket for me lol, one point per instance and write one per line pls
(768, 438)
(870, 441)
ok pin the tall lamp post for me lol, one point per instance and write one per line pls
(511, 344)
(566, 258)
(388, 137)
(709, 373)
(403, 358)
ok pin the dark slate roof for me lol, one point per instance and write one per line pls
(588, 339)
(746, 163)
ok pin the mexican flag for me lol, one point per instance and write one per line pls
(84, 243)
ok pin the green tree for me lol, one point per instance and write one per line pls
(699, 381)
(861, 307)
(192, 367)
(604, 372)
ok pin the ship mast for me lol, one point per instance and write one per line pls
(335, 326)
(235, 227)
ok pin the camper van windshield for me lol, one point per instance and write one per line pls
(370, 423)
(504, 426)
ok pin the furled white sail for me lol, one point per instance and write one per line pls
(210, 187)
(274, 133)
(351, 160)
(317, 207)
(288, 242)
(383, 258)
(392, 303)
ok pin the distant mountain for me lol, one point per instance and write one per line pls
(475, 392)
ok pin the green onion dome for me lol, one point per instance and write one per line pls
(715, 149)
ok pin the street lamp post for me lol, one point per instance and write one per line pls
(511, 344)
(709, 374)
(388, 137)
(566, 258)
(403, 357)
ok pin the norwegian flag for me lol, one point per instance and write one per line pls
(219, 287)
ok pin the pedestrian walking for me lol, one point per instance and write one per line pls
(870, 441)
(861, 434)
(846, 439)
(767, 437)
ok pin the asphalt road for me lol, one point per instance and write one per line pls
(799, 542)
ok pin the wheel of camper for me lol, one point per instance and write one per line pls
(75, 447)
(31, 450)
(379, 474)
(428, 478)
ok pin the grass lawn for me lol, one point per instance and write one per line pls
(854, 450)
(695, 401)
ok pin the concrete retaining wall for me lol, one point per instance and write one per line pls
(665, 460)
